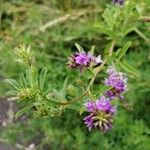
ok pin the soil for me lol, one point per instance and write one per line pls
(4, 107)
(7, 111)
(4, 146)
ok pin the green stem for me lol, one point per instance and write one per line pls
(141, 35)
(99, 68)
(70, 102)
(87, 92)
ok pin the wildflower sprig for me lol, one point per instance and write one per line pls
(48, 103)
(99, 106)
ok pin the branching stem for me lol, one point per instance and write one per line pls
(87, 92)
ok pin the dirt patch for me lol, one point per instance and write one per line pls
(5, 147)
(7, 111)
(4, 107)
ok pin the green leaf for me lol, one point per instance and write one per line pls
(23, 80)
(58, 96)
(82, 110)
(22, 111)
(42, 78)
(92, 49)
(11, 93)
(88, 74)
(121, 52)
(32, 77)
(127, 30)
(103, 88)
(107, 48)
(141, 35)
(129, 68)
(80, 49)
(63, 90)
(12, 82)
(103, 29)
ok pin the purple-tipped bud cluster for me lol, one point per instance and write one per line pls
(119, 2)
(117, 81)
(101, 114)
(83, 60)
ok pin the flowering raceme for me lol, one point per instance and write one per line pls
(101, 114)
(117, 81)
(83, 60)
(101, 111)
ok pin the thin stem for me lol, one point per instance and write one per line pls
(111, 48)
(70, 102)
(141, 35)
(87, 92)
(98, 69)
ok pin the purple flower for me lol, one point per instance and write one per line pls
(103, 104)
(113, 109)
(83, 60)
(101, 114)
(89, 121)
(120, 2)
(117, 81)
(90, 106)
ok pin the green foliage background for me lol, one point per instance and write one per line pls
(22, 21)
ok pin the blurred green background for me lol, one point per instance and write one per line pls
(52, 27)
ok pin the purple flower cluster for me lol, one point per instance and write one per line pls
(117, 81)
(101, 114)
(101, 110)
(83, 60)
(120, 2)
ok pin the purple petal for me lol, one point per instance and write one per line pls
(90, 106)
